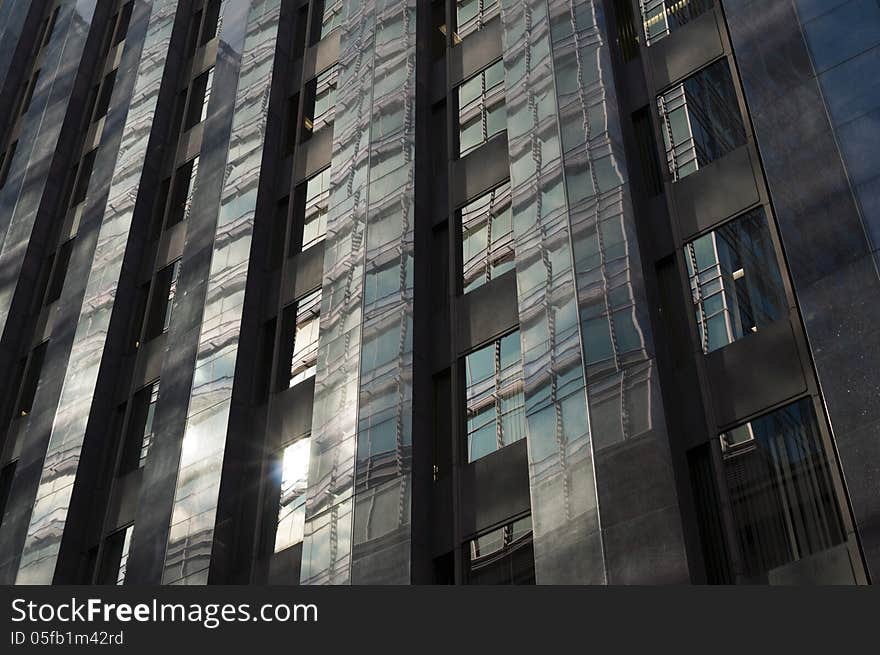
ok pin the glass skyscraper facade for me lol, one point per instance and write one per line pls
(439, 292)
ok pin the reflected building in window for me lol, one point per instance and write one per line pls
(438, 292)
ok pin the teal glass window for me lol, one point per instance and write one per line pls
(487, 245)
(494, 396)
(472, 15)
(481, 109)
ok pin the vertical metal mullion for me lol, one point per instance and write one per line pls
(457, 386)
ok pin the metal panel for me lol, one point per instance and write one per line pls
(487, 312)
(715, 193)
(495, 488)
(756, 372)
(481, 170)
(686, 50)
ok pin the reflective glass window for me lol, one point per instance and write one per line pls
(114, 561)
(471, 15)
(292, 503)
(172, 291)
(162, 303)
(486, 238)
(495, 401)
(503, 555)
(140, 429)
(735, 282)
(104, 95)
(317, 205)
(304, 359)
(149, 425)
(50, 27)
(199, 96)
(782, 500)
(701, 120)
(59, 272)
(83, 177)
(481, 112)
(122, 25)
(660, 17)
(30, 380)
(182, 191)
(328, 13)
(211, 21)
(322, 103)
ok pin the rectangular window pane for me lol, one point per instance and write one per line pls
(317, 204)
(503, 556)
(304, 359)
(660, 17)
(140, 430)
(31, 379)
(200, 94)
(162, 302)
(328, 13)
(114, 560)
(82, 180)
(149, 426)
(736, 286)
(783, 503)
(292, 503)
(59, 272)
(182, 192)
(486, 238)
(103, 102)
(122, 25)
(169, 298)
(472, 15)
(211, 21)
(320, 104)
(701, 120)
(494, 396)
(481, 110)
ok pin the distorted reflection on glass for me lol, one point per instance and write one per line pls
(481, 112)
(472, 15)
(495, 402)
(304, 359)
(320, 103)
(317, 205)
(503, 556)
(783, 500)
(735, 282)
(486, 238)
(701, 120)
(660, 17)
(292, 503)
